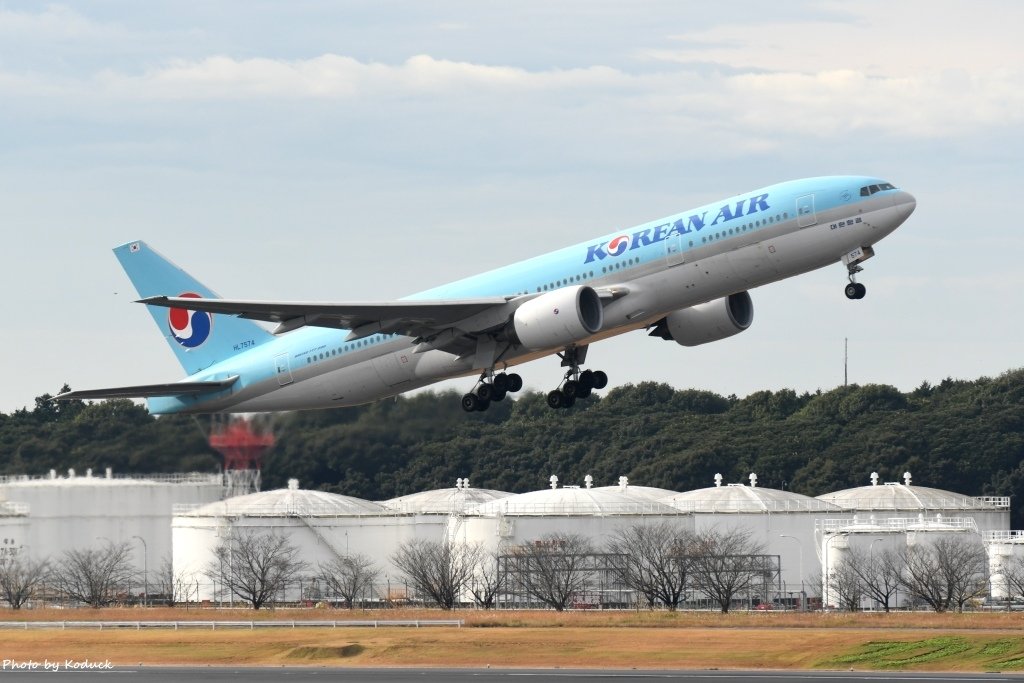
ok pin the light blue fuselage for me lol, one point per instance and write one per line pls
(696, 256)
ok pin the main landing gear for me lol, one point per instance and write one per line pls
(491, 387)
(575, 384)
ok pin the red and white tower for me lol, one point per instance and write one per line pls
(242, 446)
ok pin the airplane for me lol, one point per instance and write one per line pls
(685, 278)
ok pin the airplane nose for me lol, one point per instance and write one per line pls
(905, 201)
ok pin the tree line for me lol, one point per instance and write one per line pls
(966, 436)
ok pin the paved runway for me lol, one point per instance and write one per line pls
(229, 674)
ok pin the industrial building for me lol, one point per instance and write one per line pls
(186, 517)
(62, 512)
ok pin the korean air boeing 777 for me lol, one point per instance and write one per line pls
(683, 278)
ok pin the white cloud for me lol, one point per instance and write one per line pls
(821, 103)
(337, 76)
(54, 22)
(876, 37)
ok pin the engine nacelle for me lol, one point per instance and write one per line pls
(559, 318)
(708, 322)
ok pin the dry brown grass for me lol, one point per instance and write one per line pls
(525, 638)
(620, 647)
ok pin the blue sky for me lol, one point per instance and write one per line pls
(367, 150)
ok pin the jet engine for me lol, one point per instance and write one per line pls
(559, 318)
(707, 322)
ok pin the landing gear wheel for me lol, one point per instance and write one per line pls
(470, 403)
(861, 290)
(500, 382)
(576, 384)
(483, 405)
(851, 290)
(515, 382)
(498, 395)
(485, 392)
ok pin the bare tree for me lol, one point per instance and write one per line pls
(1013, 575)
(725, 563)
(880, 573)
(255, 566)
(846, 585)
(349, 576)
(95, 576)
(556, 568)
(174, 587)
(165, 582)
(654, 560)
(19, 577)
(948, 572)
(439, 570)
(487, 582)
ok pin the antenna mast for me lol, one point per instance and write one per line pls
(846, 360)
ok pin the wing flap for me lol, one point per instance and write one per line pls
(151, 390)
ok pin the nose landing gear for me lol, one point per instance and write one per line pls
(852, 260)
(855, 290)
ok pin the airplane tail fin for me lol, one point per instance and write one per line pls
(198, 339)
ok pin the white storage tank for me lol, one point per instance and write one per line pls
(838, 538)
(595, 513)
(13, 529)
(76, 511)
(324, 526)
(904, 499)
(783, 522)
(451, 501)
(1004, 548)
(641, 493)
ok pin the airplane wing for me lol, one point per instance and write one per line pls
(148, 390)
(412, 318)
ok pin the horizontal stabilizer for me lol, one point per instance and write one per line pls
(150, 390)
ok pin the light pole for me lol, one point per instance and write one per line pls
(871, 566)
(803, 593)
(145, 570)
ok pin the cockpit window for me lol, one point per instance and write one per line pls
(869, 190)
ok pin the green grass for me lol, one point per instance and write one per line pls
(957, 653)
